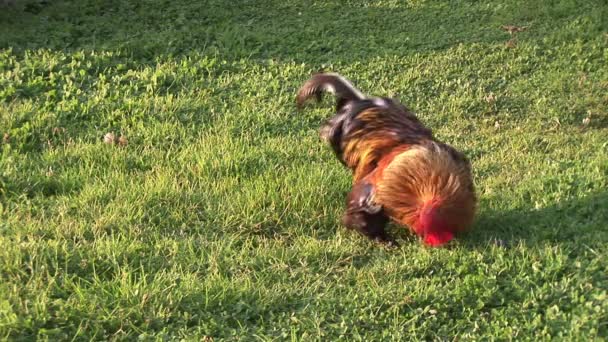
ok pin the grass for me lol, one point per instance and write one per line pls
(219, 218)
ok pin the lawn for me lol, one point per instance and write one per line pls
(217, 217)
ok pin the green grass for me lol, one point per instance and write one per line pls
(220, 216)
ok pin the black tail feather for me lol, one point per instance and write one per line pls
(330, 82)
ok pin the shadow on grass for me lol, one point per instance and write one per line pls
(580, 221)
(299, 31)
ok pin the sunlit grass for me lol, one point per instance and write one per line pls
(220, 216)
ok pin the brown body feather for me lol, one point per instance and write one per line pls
(400, 171)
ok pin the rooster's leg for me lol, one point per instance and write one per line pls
(365, 216)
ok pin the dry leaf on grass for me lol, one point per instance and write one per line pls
(109, 138)
(513, 29)
(587, 121)
(491, 98)
(122, 141)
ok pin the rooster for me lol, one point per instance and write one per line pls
(401, 172)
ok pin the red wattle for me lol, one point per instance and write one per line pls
(435, 239)
(431, 226)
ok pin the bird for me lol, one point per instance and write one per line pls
(401, 172)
